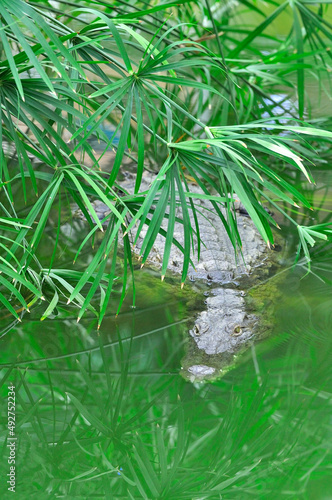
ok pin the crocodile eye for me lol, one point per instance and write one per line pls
(237, 330)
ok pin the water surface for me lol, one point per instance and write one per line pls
(108, 415)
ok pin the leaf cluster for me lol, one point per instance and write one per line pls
(145, 84)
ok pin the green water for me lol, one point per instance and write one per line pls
(108, 415)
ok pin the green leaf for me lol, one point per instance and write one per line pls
(92, 419)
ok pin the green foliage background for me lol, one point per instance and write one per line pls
(188, 90)
(193, 90)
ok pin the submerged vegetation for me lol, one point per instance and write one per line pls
(180, 88)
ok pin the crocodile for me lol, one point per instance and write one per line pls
(229, 323)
